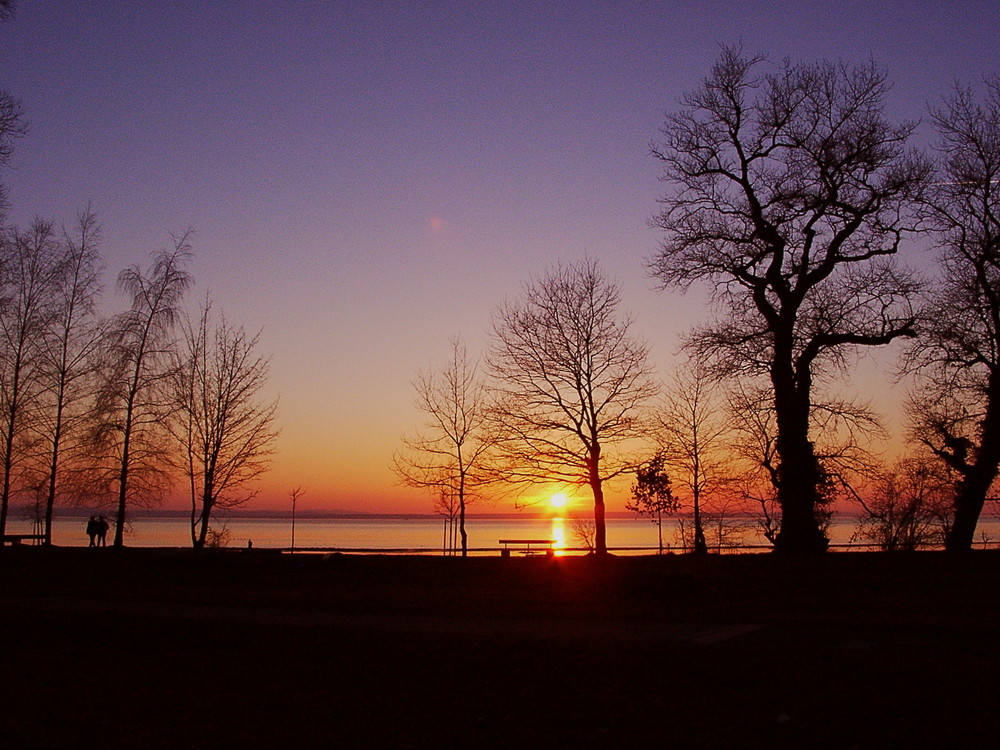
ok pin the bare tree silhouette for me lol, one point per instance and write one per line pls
(571, 381)
(224, 425)
(907, 507)
(449, 455)
(956, 408)
(70, 358)
(690, 426)
(12, 123)
(789, 194)
(135, 401)
(29, 265)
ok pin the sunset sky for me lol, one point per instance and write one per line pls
(367, 179)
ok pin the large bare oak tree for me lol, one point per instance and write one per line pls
(788, 194)
(571, 381)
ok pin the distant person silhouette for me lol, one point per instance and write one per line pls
(102, 531)
(92, 530)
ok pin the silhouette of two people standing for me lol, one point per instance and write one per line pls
(97, 530)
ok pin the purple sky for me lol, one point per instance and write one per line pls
(367, 179)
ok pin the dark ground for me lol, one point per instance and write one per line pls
(173, 649)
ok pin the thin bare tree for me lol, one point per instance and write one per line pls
(223, 422)
(956, 404)
(12, 126)
(789, 194)
(907, 507)
(571, 382)
(69, 358)
(690, 426)
(135, 400)
(446, 505)
(449, 455)
(29, 269)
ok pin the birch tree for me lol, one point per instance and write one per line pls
(136, 400)
(69, 358)
(29, 265)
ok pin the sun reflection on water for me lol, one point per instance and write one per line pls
(558, 535)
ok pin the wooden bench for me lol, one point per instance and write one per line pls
(527, 546)
(16, 539)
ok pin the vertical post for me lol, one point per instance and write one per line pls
(295, 495)
(659, 528)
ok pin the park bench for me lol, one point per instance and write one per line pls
(526, 546)
(15, 539)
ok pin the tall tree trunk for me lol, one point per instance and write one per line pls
(123, 477)
(597, 486)
(50, 499)
(700, 545)
(206, 512)
(5, 497)
(797, 495)
(461, 504)
(120, 511)
(659, 530)
(461, 527)
(207, 504)
(10, 425)
(975, 484)
(600, 525)
(968, 507)
(50, 495)
(798, 472)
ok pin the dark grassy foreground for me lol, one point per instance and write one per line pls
(171, 649)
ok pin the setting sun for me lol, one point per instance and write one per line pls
(558, 500)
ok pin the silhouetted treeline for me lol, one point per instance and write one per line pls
(791, 195)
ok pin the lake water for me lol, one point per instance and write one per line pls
(416, 534)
